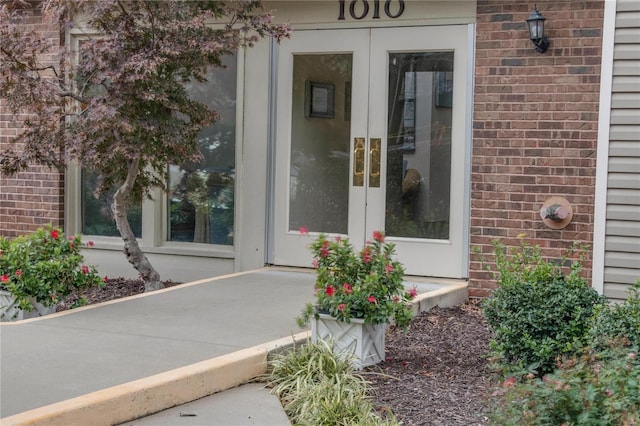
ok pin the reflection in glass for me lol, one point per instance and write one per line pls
(419, 145)
(201, 195)
(96, 212)
(319, 169)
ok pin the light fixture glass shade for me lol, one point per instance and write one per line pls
(535, 23)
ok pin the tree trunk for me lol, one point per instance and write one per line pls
(132, 251)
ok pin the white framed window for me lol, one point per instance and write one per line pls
(197, 214)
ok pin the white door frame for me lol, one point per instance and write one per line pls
(413, 39)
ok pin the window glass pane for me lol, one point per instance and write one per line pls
(201, 195)
(96, 212)
(419, 145)
(320, 133)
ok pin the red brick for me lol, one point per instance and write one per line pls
(35, 197)
(545, 133)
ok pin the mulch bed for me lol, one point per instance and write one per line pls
(436, 374)
(115, 288)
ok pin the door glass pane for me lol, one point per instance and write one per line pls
(201, 195)
(320, 133)
(419, 145)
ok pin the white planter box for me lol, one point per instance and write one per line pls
(9, 311)
(365, 341)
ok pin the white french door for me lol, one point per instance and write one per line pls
(371, 136)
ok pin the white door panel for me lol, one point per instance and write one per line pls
(371, 136)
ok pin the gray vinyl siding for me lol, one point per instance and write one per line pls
(622, 241)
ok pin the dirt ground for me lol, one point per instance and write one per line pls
(436, 374)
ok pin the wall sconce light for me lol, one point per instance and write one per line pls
(535, 24)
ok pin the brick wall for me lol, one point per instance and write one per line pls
(534, 127)
(35, 197)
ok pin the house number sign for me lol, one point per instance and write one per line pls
(363, 11)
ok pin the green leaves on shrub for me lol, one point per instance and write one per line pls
(584, 351)
(597, 388)
(44, 267)
(618, 323)
(538, 312)
(318, 387)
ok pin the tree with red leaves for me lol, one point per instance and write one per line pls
(119, 105)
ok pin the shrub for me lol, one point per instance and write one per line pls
(367, 284)
(537, 313)
(618, 322)
(318, 387)
(44, 267)
(598, 388)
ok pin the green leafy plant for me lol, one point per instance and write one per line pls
(44, 267)
(618, 323)
(367, 284)
(538, 313)
(596, 388)
(319, 387)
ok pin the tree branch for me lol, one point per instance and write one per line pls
(72, 95)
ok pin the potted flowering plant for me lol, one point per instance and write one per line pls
(366, 285)
(40, 269)
(358, 293)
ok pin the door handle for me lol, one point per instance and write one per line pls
(374, 163)
(358, 161)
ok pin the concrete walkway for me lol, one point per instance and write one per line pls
(122, 360)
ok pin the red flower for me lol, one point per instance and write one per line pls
(105, 279)
(366, 255)
(72, 245)
(378, 236)
(315, 263)
(54, 234)
(396, 299)
(18, 272)
(341, 306)
(388, 267)
(303, 230)
(85, 269)
(372, 299)
(347, 288)
(324, 251)
(89, 243)
(330, 291)
(4, 278)
(413, 293)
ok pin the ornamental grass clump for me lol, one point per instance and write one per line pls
(44, 267)
(365, 284)
(316, 386)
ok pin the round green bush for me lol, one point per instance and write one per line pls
(44, 266)
(537, 313)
